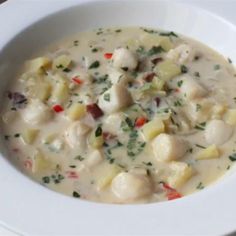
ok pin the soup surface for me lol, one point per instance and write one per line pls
(123, 115)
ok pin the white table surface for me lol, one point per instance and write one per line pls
(224, 8)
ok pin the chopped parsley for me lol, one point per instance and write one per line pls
(17, 135)
(155, 50)
(171, 33)
(178, 103)
(200, 186)
(216, 67)
(200, 146)
(107, 97)
(200, 126)
(46, 179)
(76, 42)
(141, 50)
(229, 60)
(94, 65)
(232, 157)
(94, 50)
(179, 83)
(184, 69)
(79, 157)
(98, 131)
(118, 30)
(150, 31)
(198, 107)
(197, 74)
(76, 194)
(7, 137)
(147, 163)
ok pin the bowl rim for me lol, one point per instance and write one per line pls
(193, 206)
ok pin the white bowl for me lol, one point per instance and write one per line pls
(31, 209)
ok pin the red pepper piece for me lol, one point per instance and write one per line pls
(94, 110)
(173, 195)
(77, 80)
(140, 122)
(108, 55)
(57, 108)
(108, 136)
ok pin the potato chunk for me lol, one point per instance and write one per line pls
(75, 134)
(114, 99)
(108, 172)
(60, 92)
(152, 129)
(29, 135)
(180, 173)
(217, 132)
(36, 112)
(96, 138)
(37, 64)
(167, 70)
(123, 58)
(191, 88)
(230, 117)
(61, 62)
(168, 147)
(76, 111)
(210, 152)
(39, 162)
(128, 187)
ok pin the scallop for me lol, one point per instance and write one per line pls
(124, 58)
(217, 132)
(75, 134)
(36, 112)
(128, 187)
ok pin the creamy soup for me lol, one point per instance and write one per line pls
(123, 115)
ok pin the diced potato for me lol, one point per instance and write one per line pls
(128, 186)
(191, 89)
(40, 163)
(166, 70)
(107, 173)
(217, 132)
(210, 152)
(60, 93)
(94, 158)
(61, 62)
(76, 111)
(158, 83)
(135, 111)
(180, 173)
(29, 135)
(218, 111)
(36, 65)
(230, 117)
(96, 140)
(152, 129)
(168, 147)
(115, 98)
(150, 40)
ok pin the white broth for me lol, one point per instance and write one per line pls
(123, 115)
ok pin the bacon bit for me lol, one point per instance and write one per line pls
(28, 164)
(158, 101)
(149, 77)
(108, 136)
(171, 192)
(77, 80)
(94, 110)
(108, 55)
(57, 108)
(72, 175)
(157, 60)
(15, 149)
(176, 90)
(139, 122)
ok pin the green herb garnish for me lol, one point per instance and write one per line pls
(232, 157)
(94, 65)
(76, 194)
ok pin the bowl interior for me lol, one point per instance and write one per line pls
(197, 23)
